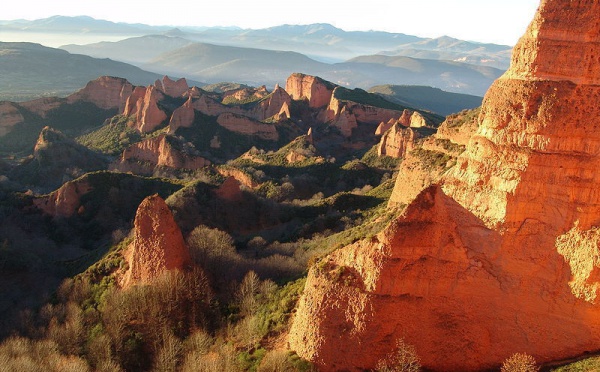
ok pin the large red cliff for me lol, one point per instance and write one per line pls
(142, 106)
(317, 91)
(501, 256)
(106, 92)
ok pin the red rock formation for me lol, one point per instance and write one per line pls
(172, 88)
(143, 106)
(105, 92)
(9, 117)
(242, 177)
(345, 121)
(317, 91)
(145, 156)
(275, 104)
(65, 201)
(397, 141)
(245, 125)
(182, 116)
(503, 256)
(384, 127)
(210, 106)
(158, 245)
(245, 94)
(230, 190)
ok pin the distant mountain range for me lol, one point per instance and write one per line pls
(215, 63)
(268, 56)
(31, 70)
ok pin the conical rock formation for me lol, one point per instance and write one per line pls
(158, 244)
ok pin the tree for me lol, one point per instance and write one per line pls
(403, 359)
(520, 362)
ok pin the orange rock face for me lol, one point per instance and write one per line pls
(9, 117)
(317, 91)
(182, 116)
(502, 256)
(158, 244)
(245, 125)
(275, 104)
(105, 92)
(171, 87)
(65, 201)
(397, 141)
(143, 106)
(144, 156)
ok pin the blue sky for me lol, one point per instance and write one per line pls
(498, 21)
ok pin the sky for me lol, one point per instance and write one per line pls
(496, 21)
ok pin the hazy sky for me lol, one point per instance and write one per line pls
(498, 21)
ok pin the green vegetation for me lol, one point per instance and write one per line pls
(463, 117)
(111, 138)
(433, 159)
(587, 364)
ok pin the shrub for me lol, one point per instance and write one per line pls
(519, 362)
(403, 359)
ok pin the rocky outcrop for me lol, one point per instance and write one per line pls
(160, 151)
(502, 256)
(242, 177)
(277, 104)
(65, 201)
(397, 141)
(56, 159)
(158, 244)
(106, 92)
(317, 91)
(183, 116)
(245, 94)
(244, 125)
(9, 117)
(142, 106)
(171, 87)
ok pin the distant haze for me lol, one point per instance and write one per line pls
(495, 21)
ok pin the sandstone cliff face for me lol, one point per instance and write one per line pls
(145, 156)
(502, 257)
(317, 91)
(182, 116)
(105, 92)
(9, 117)
(397, 141)
(65, 201)
(275, 104)
(142, 105)
(158, 244)
(245, 125)
(171, 87)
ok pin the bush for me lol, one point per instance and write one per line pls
(520, 362)
(403, 359)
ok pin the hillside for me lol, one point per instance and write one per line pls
(428, 98)
(136, 50)
(30, 70)
(451, 49)
(446, 75)
(215, 63)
